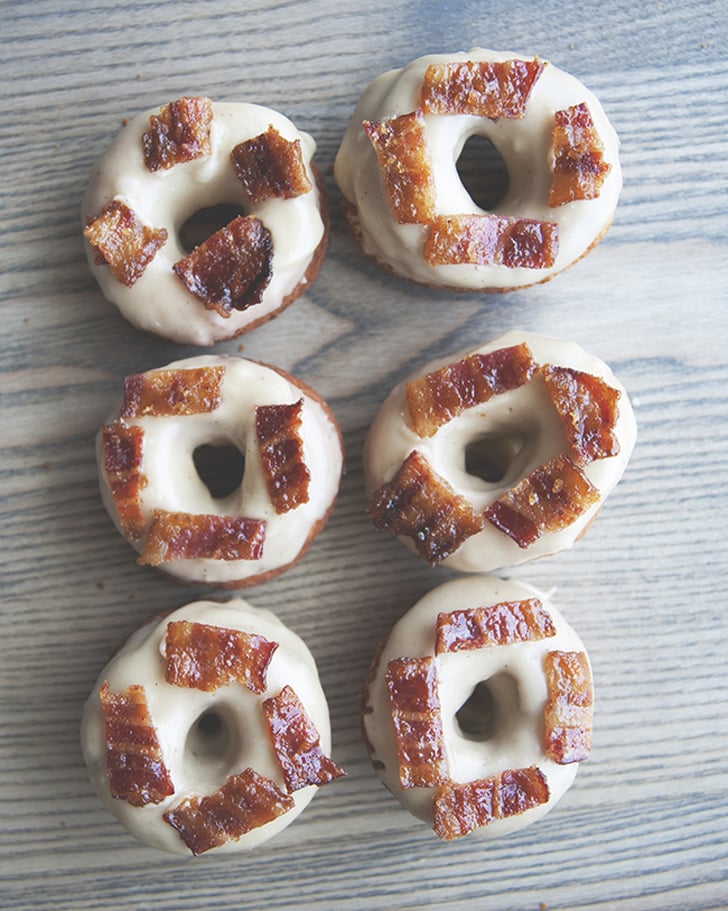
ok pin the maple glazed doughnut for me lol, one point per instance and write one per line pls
(406, 202)
(499, 455)
(478, 709)
(190, 156)
(219, 470)
(208, 730)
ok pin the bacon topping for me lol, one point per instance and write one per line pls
(270, 167)
(281, 452)
(461, 808)
(404, 161)
(491, 90)
(418, 503)
(206, 657)
(162, 393)
(588, 410)
(296, 742)
(134, 762)
(245, 802)
(568, 713)
(438, 397)
(579, 166)
(122, 451)
(232, 268)
(549, 499)
(179, 133)
(497, 624)
(183, 536)
(120, 240)
(412, 689)
(516, 243)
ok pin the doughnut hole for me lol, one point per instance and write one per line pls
(485, 713)
(483, 172)
(213, 743)
(220, 467)
(203, 223)
(490, 456)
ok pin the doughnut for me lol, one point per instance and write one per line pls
(190, 157)
(208, 730)
(219, 470)
(408, 206)
(499, 455)
(478, 709)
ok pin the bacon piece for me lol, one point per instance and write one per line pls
(245, 802)
(270, 167)
(120, 240)
(281, 453)
(418, 503)
(461, 808)
(579, 168)
(568, 712)
(497, 624)
(549, 499)
(134, 762)
(404, 161)
(296, 742)
(491, 90)
(232, 268)
(516, 243)
(122, 448)
(438, 397)
(179, 133)
(184, 536)
(588, 410)
(206, 657)
(412, 689)
(162, 393)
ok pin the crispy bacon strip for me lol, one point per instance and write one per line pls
(549, 499)
(491, 90)
(270, 167)
(179, 133)
(245, 802)
(497, 624)
(183, 536)
(232, 268)
(438, 397)
(120, 240)
(206, 657)
(568, 713)
(418, 503)
(404, 161)
(516, 243)
(588, 410)
(461, 808)
(134, 762)
(162, 393)
(296, 743)
(281, 453)
(122, 448)
(579, 168)
(412, 689)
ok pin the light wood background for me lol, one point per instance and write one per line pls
(645, 826)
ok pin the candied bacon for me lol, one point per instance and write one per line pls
(162, 393)
(232, 268)
(483, 89)
(439, 396)
(206, 657)
(120, 240)
(418, 503)
(122, 454)
(286, 474)
(497, 624)
(270, 167)
(185, 536)
(134, 762)
(179, 133)
(568, 712)
(516, 243)
(579, 168)
(245, 802)
(404, 161)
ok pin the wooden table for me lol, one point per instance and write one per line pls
(644, 826)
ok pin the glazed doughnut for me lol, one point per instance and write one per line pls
(219, 470)
(499, 455)
(478, 709)
(208, 730)
(406, 202)
(192, 155)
